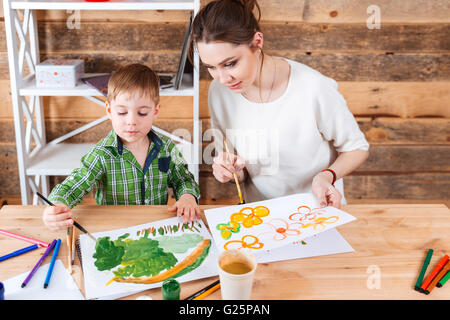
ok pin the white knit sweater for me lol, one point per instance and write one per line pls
(286, 142)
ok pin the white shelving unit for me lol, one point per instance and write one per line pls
(37, 158)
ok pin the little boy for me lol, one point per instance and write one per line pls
(132, 165)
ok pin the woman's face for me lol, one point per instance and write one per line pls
(235, 66)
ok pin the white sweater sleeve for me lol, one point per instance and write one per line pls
(335, 121)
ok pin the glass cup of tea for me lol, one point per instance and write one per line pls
(236, 270)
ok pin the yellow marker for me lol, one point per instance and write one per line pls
(207, 292)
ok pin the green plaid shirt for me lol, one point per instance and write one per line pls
(120, 180)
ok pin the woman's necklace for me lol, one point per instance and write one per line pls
(271, 88)
(273, 81)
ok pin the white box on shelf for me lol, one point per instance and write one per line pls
(59, 73)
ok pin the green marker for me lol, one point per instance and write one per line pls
(443, 280)
(424, 269)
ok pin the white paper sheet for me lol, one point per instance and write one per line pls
(61, 286)
(270, 224)
(95, 280)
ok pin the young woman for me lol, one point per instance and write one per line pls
(289, 125)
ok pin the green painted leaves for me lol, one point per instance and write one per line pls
(138, 258)
(107, 254)
(143, 257)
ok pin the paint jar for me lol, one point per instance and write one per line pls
(2, 291)
(171, 289)
(236, 270)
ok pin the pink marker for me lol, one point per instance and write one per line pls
(13, 235)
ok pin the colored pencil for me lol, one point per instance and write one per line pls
(52, 264)
(13, 235)
(207, 292)
(202, 290)
(76, 224)
(19, 252)
(236, 180)
(38, 264)
(433, 273)
(438, 277)
(443, 280)
(424, 269)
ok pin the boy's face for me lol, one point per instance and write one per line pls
(132, 116)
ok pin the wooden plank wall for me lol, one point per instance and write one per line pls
(396, 81)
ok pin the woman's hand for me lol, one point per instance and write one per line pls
(186, 206)
(326, 194)
(57, 217)
(223, 169)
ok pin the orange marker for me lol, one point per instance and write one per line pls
(433, 273)
(438, 278)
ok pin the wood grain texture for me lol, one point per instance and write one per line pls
(363, 67)
(124, 16)
(361, 186)
(425, 132)
(393, 238)
(429, 131)
(393, 99)
(111, 36)
(396, 80)
(406, 159)
(398, 38)
(399, 185)
(397, 99)
(380, 130)
(415, 11)
(370, 66)
(106, 62)
(391, 159)
(135, 36)
(342, 11)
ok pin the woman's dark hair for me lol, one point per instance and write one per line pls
(228, 21)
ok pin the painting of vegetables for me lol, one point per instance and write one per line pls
(130, 260)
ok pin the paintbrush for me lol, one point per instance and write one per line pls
(73, 243)
(76, 224)
(236, 180)
(69, 247)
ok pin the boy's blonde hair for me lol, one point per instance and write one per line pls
(134, 78)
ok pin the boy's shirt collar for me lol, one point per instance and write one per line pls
(113, 140)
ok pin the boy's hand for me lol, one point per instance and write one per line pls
(186, 206)
(223, 170)
(57, 217)
(326, 194)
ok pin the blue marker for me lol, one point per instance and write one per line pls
(52, 263)
(19, 252)
(2, 291)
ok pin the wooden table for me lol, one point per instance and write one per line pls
(390, 243)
